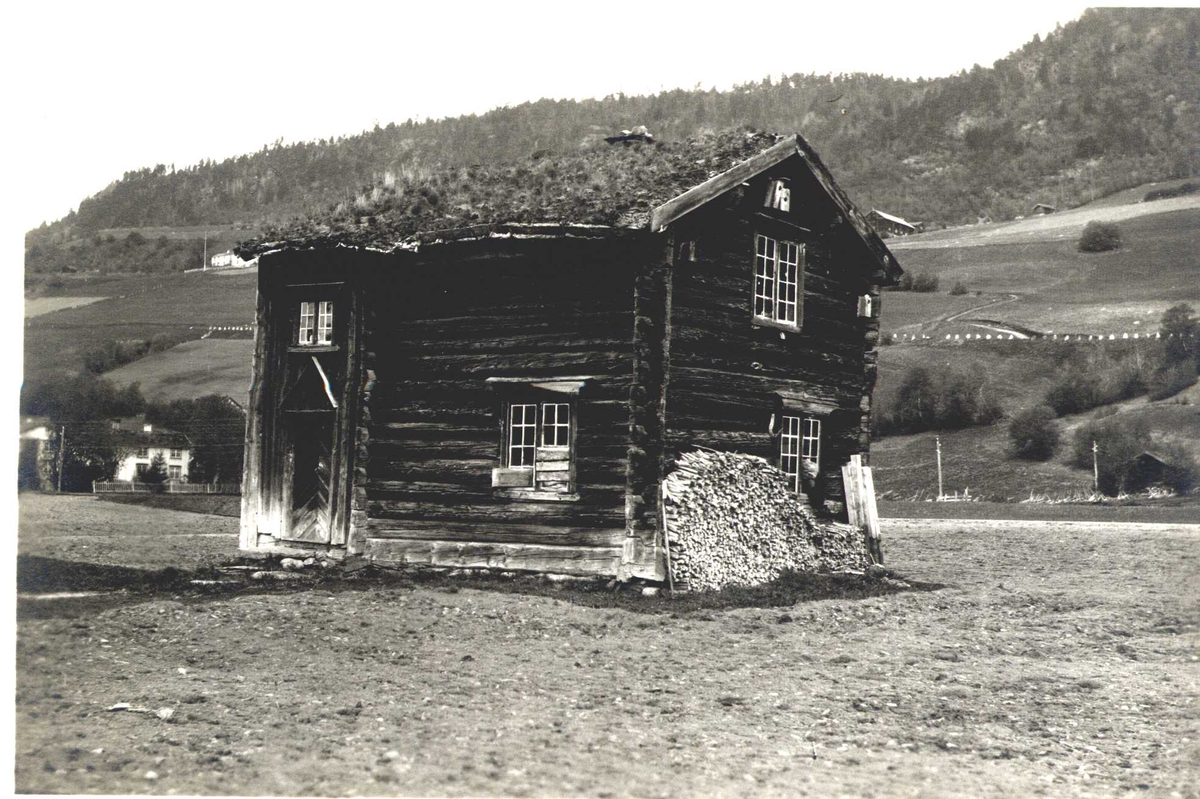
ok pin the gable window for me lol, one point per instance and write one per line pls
(316, 323)
(176, 454)
(537, 454)
(799, 448)
(143, 452)
(778, 280)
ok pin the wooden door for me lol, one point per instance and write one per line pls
(311, 471)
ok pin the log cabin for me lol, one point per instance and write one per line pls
(496, 366)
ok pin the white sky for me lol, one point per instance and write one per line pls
(101, 88)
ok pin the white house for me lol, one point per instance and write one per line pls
(140, 443)
(228, 259)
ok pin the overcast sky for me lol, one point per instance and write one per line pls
(101, 88)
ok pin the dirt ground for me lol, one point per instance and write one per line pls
(1036, 659)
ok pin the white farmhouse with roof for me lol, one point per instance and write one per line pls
(140, 443)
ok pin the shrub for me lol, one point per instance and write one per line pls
(1179, 328)
(1077, 391)
(906, 282)
(157, 473)
(959, 289)
(1170, 380)
(925, 284)
(1100, 237)
(951, 400)
(1033, 434)
(1099, 379)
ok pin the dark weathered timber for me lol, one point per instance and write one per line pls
(648, 336)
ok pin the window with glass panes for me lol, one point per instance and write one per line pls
(778, 279)
(556, 424)
(810, 441)
(522, 435)
(789, 451)
(316, 322)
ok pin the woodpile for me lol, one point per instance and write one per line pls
(732, 520)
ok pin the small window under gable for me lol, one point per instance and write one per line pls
(779, 195)
(778, 280)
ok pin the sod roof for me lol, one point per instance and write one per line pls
(601, 184)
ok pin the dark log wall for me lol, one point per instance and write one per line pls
(440, 324)
(727, 371)
(282, 372)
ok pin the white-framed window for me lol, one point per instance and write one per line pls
(810, 441)
(316, 323)
(325, 322)
(778, 280)
(522, 435)
(307, 323)
(143, 452)
(176, 454)
(175, 472)
(799, 446)
(789, 451)
(556, 424)
(538, 446)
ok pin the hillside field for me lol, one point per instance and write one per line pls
(1058, 288)
(193, 369)
(136, 307)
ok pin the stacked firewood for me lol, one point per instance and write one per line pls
(732, 520)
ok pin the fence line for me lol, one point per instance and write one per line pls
(1071, 338)
(131, 487)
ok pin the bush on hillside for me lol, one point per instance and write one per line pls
(1100, 379)
(1170, 380)
(1180, 329)
(925, 284)
(959, 289)
(1033, 434)
(942, 401)
(1100, 237)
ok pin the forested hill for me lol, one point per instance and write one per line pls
(1104, 102)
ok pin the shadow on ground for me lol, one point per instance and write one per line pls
(121, 585)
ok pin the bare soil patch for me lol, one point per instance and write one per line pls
(1055, 661)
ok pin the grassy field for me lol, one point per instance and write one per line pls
(1061, 289)
(138, 308)
(1169, 511)
(1033, 660)
(191, 369)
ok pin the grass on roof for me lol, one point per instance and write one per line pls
(598, 184)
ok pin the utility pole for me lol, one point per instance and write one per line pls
(204, 263)
(1095, 468)
(938, 439)
(62, 443)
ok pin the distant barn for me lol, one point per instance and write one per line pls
(888, 225)
(1041, 209)
(498, 367)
